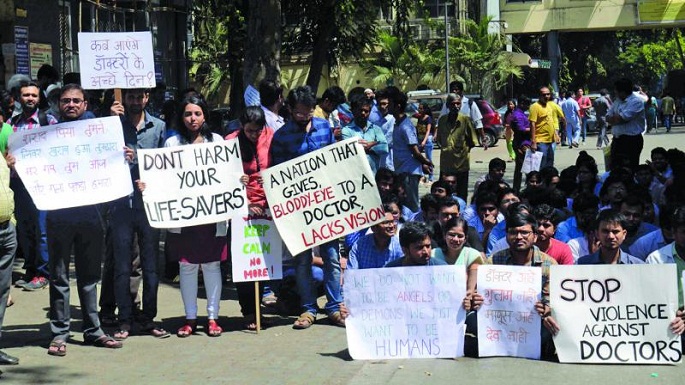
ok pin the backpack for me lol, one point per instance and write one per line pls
(42, 119)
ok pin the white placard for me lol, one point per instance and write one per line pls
(72, 164)
(508, 324)
(256, 248)
(116, 60)
(323, 195)
(613, 314)
(192, 184)
(405, 312)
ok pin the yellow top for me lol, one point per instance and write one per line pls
(542, 117)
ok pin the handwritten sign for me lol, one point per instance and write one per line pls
(192, 184)
(615, 313)
(256, 249)
(405, 312)
(323, 195)
(508, 324)
(73, 163)
(116, 60)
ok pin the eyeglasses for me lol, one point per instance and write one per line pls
(303, 114)
(523, 233)
(71, 100)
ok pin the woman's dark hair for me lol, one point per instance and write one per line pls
(205, 131)
(455, 222)
(5, 106)
(532, 174)
(254, 115)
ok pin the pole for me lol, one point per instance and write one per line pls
(447, 52)
(257, 295)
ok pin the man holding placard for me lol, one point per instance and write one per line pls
(302, 135)
(141, 131)
(374, 250)
(31, 232)
(83, 229)
(521, 237)
(674, 253)
(415, 239)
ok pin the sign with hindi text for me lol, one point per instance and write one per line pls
(508, 324)
(323, 195)
(72, 164)
(615, 314)
(256, 248)
(116, 60)
(405, 312)
(192, 184)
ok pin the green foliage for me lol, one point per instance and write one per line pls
(480, 57)
(405, 66)
(219, 27)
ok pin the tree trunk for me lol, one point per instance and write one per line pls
(263, 45)
(321, 45)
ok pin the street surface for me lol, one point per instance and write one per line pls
(281, 355)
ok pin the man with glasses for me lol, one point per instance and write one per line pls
(521, 237)
(81, 228)
(299, 136)
(541, 119)
(380, 247)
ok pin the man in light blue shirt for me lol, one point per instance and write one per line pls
(370, 136)
(377, 249)
(627, 119)
(571, 111)
(387, 123)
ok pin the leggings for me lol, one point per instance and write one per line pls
(212, 275)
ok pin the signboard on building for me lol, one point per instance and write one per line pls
(21, 56)
(661, 11)
(40, 54)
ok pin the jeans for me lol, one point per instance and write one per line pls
(108, 303)
(428, 149)
(8, 247)
(31, 231)
(667, 122)
(602, 138)
(306, 286)
(85, 234)
(547, 150)
(125, 223)
(411, 188)
(584, 127)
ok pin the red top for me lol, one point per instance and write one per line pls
(252, 168)
(560, 252)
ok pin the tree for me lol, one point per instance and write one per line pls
(404, 66)
(480, 57)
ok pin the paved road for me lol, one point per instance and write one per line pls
(281, 355)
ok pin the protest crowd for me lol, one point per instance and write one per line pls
(632, 214)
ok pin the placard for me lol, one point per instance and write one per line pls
(40, 54)
(116, 60)
(508, 324)
(615, 314)
(72, 164)
(256, 248)
(192, 184)
(323, 195)
(405, 312)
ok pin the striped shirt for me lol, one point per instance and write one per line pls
(365, 254)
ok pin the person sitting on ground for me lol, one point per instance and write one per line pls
(611, 232)
(550, 177)
(496, 169)
(674, 253)
(655, 240)
(377, 249)
(521, 237)
(450, 183)
(506, 198)
(487, 206)
(453, 250)
(415, 240)
(429, 209)
(547, 223)
(632, 209)
(471, 211)
(448, 209)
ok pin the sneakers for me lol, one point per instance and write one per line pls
(36, 284)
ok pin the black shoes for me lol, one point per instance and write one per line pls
(6, 359)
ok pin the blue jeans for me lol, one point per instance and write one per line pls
(547, 150)
(306, 286)
(667, 122)
(124, 223)
(584, 127)
(411, 188)
(428, 149)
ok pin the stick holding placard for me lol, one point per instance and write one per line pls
(258, 316)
